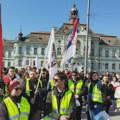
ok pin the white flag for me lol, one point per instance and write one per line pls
(51, 55)
(24, 62)
(37, 63)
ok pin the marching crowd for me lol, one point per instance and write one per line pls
(30, 95)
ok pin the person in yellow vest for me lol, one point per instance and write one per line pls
(75, 84)
(60, 103)
(96, 95)
(51, 85)
(29, 87)
(15, 106)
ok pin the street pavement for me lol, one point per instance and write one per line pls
(113, 115)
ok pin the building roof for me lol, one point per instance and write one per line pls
(9, 43)
(38, 37)
(109, 40)
(66, 28)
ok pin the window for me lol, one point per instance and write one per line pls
(84, 51)
(76, 50)
(92, 43)
(106, 53)
(9, 64)
(33, 63)
(92, 52)
(113, 66)
(113, 53)
(99, 65)
(41, 63)
(14, 49)
(106, 66)
(20, 50)
(27, 62)
(58, 51)
(43, 51)
(92, 65)
(19, 62)
(35, 51)
(58, 64)
(27, 50)
(9, 54)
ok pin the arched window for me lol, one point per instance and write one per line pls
(58, 51)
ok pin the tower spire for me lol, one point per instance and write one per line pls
(20, 34)
(73, 14)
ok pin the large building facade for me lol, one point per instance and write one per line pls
(103, 50)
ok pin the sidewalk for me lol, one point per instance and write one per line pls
(113, 115)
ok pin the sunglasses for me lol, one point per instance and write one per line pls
(56, 80)
(43, 73)
(74, 75)
(18, 88)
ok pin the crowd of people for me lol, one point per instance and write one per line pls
(30, 95)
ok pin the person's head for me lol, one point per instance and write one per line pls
(32, 75)
(43, 73)
(11, 72)
(88, 75)
(60, 79)
(74, 75)
(106, 78)
(15, 88)
(101, 76)
(25, 75)
(94, 76)
(34, 69)
(107, 73)
(113, 74)
(66, 71)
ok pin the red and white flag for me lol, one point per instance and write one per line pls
(1, 45)
(70, 50)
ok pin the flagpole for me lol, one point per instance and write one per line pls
(87, 37)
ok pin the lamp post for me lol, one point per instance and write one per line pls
(87, 36)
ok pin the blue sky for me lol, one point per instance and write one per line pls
(42, 15)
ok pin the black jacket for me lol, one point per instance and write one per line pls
(33, 85)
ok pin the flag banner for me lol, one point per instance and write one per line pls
(1, 45)
(70, 50)
(37, 63)
(24, 62)
(31, 62)
(50, 56)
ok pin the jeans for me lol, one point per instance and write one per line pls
(97, 108)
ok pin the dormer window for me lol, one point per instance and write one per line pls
(40, 38)
(59, 41)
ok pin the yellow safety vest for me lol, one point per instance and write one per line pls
(13, 111)
(64, 105)
(78, 86)
(96, 93)
(52, 84)
(28, 86)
